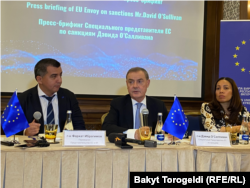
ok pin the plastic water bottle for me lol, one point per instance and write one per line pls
(244, 131)
(159, 133)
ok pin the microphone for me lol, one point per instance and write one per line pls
(37, 115)
(144, 117)
(120, 139)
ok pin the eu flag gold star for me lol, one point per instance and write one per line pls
(243, 69)
(237, 48)
(235, 56)
(237, 63)
(243, 42)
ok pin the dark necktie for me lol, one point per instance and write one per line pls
(50, 111)
(137, 116)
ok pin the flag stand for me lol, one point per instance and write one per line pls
(15, 141)
(173, 142)
(13, 119)
(176, 123)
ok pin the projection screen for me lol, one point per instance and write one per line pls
(97, 42)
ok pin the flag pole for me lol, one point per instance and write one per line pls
(14, 140)
(176, 123)
(172, 141)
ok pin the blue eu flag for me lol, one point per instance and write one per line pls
(176, 123)
(13, 119)
(235, 56)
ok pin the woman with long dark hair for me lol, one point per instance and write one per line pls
(225, 108)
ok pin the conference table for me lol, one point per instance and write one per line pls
(109, 166)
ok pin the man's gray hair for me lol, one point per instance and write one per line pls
(137, 69)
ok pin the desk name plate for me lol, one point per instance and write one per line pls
(84, 138)
(202, 138)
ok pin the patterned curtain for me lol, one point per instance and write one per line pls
(231, 10)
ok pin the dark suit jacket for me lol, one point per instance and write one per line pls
(30, 103)
(120, 116)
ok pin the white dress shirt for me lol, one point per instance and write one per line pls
(131, 132)
(44, 103)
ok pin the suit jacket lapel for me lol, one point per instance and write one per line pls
(61, 108)
(128, 112)
(37, 106)
(150, 107)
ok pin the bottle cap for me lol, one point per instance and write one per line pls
(159, 114)
(69, 112)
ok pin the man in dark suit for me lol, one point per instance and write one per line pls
(123, 110)
(48, 73)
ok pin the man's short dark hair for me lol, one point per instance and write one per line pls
(41, 66)
(137, 69)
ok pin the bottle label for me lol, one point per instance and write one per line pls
(245, 137)
(160, 137)
(68, 126)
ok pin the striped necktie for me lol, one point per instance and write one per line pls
(50, 111)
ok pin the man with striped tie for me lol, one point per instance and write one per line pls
(49, 99)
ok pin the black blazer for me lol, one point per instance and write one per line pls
(120, 116)
(30, 103)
